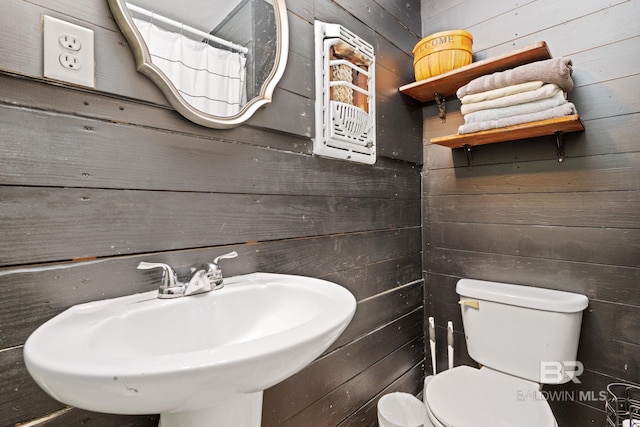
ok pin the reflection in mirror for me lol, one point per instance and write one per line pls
(216, 61)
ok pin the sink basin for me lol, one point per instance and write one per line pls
(201, 360)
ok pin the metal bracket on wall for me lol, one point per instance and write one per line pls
(440, 100)
(469, 155)
(560, 145)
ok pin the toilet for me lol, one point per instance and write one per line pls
(522, 337)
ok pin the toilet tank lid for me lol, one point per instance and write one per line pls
(522, 296)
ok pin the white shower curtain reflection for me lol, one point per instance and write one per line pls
(210, 79)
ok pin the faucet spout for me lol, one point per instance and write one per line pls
(198, 281)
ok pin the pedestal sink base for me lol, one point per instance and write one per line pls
(240, 410)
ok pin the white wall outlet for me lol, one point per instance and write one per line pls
(70, 42)
(68, 52)
(70, 61)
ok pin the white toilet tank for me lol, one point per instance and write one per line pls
(528, 332)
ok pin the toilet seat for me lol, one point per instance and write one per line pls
(470, 397)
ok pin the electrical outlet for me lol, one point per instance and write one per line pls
(70, 42)
(68, 52)
(70, 61)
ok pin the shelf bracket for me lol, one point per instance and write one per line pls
(469, 155)
(442, 113)
(560, 145)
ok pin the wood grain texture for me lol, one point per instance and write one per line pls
(72, 226)
(285, 399)
(94, 181)
(550, 127)
(521, 217)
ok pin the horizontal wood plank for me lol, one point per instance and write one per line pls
(311, 384)
(597, 281)
(20, 398)
(595, 245)
(340, 403)
(133, 157)
(618, 209)
(80, 223)
(607, 172)
(397, 303)
(410, 382)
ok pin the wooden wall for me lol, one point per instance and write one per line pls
(94, 181)
(520, 216)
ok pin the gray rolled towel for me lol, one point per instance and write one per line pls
(555, 70)
(566, 109)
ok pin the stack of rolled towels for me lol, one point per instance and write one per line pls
(528, 93)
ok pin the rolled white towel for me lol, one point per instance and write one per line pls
(500, 92)
(513, 110)
(543, 92)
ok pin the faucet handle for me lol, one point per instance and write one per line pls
(232, 254)
(215, 271)
(169, 277)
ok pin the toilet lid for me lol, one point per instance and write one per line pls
(470, 397)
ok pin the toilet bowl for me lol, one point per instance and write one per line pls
(470, 397)
(511, 331)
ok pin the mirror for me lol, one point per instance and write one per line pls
(216, 61)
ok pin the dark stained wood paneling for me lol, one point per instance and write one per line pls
(383, 22)
(411, 382)
(407, 13)
(581, 244)
(597, 281)
(116, 174)
(296, 393)
(114, 155)
(614, 19)
(387, 306)
(614, 172)
(77, 417)
(521, 217)
(72, 223)
(338, 405)
(571, 414)
(614, 209)
(378, 277)
(20, 398)
(22, 92)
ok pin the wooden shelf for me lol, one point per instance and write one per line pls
(448, 83)
(525, 130)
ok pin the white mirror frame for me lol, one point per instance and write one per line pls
(146, 67)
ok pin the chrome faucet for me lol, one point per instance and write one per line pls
(203, 278)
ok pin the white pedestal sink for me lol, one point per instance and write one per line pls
(201, 360)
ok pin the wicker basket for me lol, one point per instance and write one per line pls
(442, 52)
